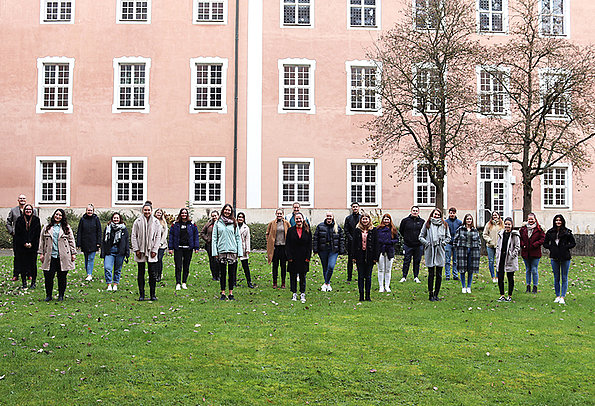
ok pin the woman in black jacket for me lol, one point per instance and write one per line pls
(298, 249)
(115, 248)
(363, 249)
(26, 242)
(88, 238)
(328, 242)
(559, 240)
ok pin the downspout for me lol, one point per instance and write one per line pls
(235, 107)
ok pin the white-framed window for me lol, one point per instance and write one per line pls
(52, 180)
(209, 12)
(296, 181)
(555, 93)
(493, 98)
(364, 14)
(363, 79)
(54, 84)
(207, 181)
(427, 89)
(129, 180)
(297, 13)
(494, 190)
(296, 85)
(131, 84)
(492, 16)
(364, 182)
(56, 12)
(554, 17)
(424, 191)
(208, 90)
(426, 14)
(133, 12)
(556, 187)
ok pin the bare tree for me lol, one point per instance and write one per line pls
(544, 85)
(428, 99)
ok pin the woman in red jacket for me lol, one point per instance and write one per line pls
(532, 236)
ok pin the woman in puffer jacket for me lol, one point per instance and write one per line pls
(507, 258)
(434, 236)
(328, 242)
(559, 241)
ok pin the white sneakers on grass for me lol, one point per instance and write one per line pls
(417, 280)
(109, 287)
(466, 290)
(403, 280)
(381, 290)
(294, 297)
(89, 278)
(178, 287)
(184, 286)
(114, 287)
(303, 297)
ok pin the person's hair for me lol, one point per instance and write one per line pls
(392, 227)
(148, 203)
(241, 214)
(361, 226)
(305, 225)
(561, 217)
(91, 206)
(25, 208)
(233, 218)
(179, 217)
(429, 221)
(509, 219)
(63, 222)
(453, 209)
(335, 226)
(465, 220)
(537, 225)
(111, 220)
(162, 220)
(414, 207)
(298, 203)
(279, 209)
(491, 224)
(354, 203)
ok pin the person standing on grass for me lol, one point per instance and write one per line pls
(349, 226)
(227, 247)
(532, 238)
(183, 238)
(508, 248)
(160, 216)
(467, 243)
(449, 252)
(410, 228)
(363, 249)
(115, 248)
(559, 241)
(298, 248)
(26, 243)
(245, 234)
(57, 253)
(387, 236)
(146, 239)
(206, 234)
(275, 235)
(328, 242)
(435, 236)
(88, 238)
(11, 220)
(490, 235)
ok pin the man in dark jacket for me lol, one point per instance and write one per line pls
(453, 224)
(349, 228)
(409, 229)
(88, 238)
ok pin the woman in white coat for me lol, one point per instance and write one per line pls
(434, 236)
(245, 234)
(146, 239)
(507, 258)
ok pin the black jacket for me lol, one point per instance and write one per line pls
(349, 227)
(88, 235)
(123, 245)
(298, 250)
(22, 235)
(410, 228)
(560, 251)
(370, 254)
(325, 239)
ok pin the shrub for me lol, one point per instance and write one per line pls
(5, 237)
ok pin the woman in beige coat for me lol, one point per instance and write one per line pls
(57, 253)
(146, 239)
(276, 232)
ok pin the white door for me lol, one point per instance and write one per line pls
(494, 190)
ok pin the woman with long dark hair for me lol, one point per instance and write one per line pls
(387, 236)
(57, 253)
(467, 243)
(227, 247)
(559, 241)
(245, 234)
(88, 238)
(206, 234)
(298, 247)
(26, 243)
(146, 239)
(434, 236)
(115, 248)
(183, 239)
(363, 249)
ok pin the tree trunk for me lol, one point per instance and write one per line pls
(527, 196)
(440, 194)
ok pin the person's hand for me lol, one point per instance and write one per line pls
(247, 253)
(353, 260)
(41, 257)
(195, 251)
(27, 245)
(138, 254)
(172, 251)
(290, 260)
(73, 256)
(153, 254)
(308, 260)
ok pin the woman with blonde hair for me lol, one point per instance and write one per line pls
(363, 249)
(434, 236)
(160, 215)
(467, 243)
(387, 236)
(275, 236)
(490, 235)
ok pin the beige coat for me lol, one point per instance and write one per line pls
(491, 235)
(66, 249)
(272, 236)
(146, 238)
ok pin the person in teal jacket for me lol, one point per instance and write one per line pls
(226, 246)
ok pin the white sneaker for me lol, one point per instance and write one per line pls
(387, 289)
(557, 300)
(115, 287)
(323, 287)
(184, 286)
(417, 280)
(403, 280)
(562, 301)
(328, 287)
(109, 287)
(89, 277)
(464, 290)
(303, 297)
(178, 287)
(494, 280)
(468, 290)
(381, 290)
(294, 297)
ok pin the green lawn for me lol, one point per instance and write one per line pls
(101, 347)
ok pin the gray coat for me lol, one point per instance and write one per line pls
(511, 263)
(434, 239)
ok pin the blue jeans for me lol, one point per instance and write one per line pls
(328, 260)
(89, 261)
(531, 270)
(560, 268)
(415, 253)
(114, 262)
(470, 274)
(491, 257)
(450, 252)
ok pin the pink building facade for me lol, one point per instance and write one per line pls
(116, 102)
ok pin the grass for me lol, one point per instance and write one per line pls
(100, 347)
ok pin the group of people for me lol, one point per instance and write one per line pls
(290, 244)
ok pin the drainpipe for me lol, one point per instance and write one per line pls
(235, 107)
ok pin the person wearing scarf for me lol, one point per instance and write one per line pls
(298, 248)
(532, 237)
(490, 236)
(146, 240)
(508, 248)
(434, 236)
(227, 248)
(114, 249)
(363, 250)
(26, 242)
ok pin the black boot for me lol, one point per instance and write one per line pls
(431, 296)
(141, 294)
(534, 289)
(528, 289)
(48, 298)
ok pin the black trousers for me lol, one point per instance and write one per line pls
(350, 259)
(152, 278)
(364, 278)
(182, 258)
(55, 270)
(293, 275)
(224, 270)
(279, 258)
(26, 261)
(246, 268)
(510, 277)
(213, 265)
(434, 271)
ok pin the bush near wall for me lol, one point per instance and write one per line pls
(5, 237)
